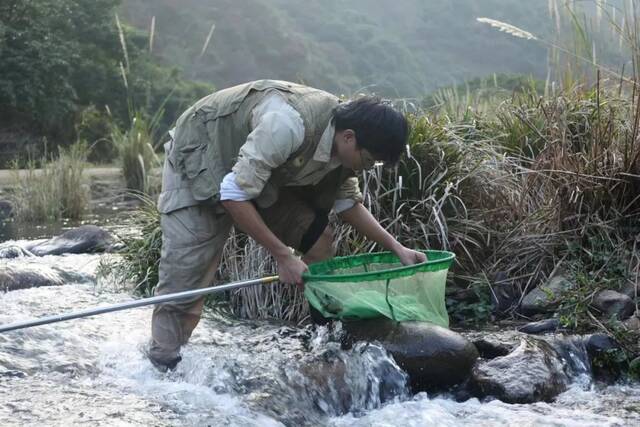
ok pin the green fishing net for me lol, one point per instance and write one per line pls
(375, 285)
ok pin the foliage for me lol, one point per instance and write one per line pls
(54, 191)
(402, 50)
(481, 95)
(60, 57)
(141, 253)
(242, 259)
(55, 54)
(472, 311)
(135, 153)
(96, 126)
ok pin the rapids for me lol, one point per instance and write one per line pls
(233, 373)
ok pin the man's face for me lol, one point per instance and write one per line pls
(352, 156)
(367, 161)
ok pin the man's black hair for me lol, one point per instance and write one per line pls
(380, 129)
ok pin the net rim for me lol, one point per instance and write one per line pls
(443, 262)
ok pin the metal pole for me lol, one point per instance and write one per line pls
(136, 303)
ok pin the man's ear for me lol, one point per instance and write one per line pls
(348, 135)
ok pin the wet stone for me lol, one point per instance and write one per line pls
(532, 372)
(540, 327)
(598, 343)
(434, 357)
(34, 275)
(491, 347)
(84, 239)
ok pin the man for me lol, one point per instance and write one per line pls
(274, 158)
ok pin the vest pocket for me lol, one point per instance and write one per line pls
(198, 172)
(194, 160)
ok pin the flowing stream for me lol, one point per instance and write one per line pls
(233, 373)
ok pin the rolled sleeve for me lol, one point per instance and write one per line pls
(342, 205)
(229, 190)
(275, 137)
(350, 189)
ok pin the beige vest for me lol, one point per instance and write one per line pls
(208, 136)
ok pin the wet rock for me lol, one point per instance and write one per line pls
(434, 357)
(321, 383)
(573, 353)
(599, 343)
(604, 365)
(531, 373)
(545, 297)
(540, 327)
(490, 347)
(13, 251)
(84, 239)
(34, 275)
(334, 382)
(614, 304)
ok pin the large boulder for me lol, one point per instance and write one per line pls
(534, 371)
(545, 298)
(614, 304)
(434, 357)
(84, 239)
(34, 275)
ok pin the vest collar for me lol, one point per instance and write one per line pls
(323, 152)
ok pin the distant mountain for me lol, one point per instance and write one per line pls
(401, 48)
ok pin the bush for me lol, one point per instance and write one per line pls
(135, 153)
(54, 191)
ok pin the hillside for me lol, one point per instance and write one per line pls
(405, 48)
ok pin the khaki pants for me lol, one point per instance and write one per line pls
(192, 241)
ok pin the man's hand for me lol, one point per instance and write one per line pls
(290, 269)
(409, 256)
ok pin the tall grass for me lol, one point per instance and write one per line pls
(55, 190)
(135, 153)
(244, 259)
(134, 145)
(140, 257)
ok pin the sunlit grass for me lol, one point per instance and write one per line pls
(55, 190)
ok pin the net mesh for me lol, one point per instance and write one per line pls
(375, 285)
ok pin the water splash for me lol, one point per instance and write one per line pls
(92, 371)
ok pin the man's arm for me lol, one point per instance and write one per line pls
(365, 223)
(247, 218)
(277, 132)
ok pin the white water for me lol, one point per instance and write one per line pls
(92, 371)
